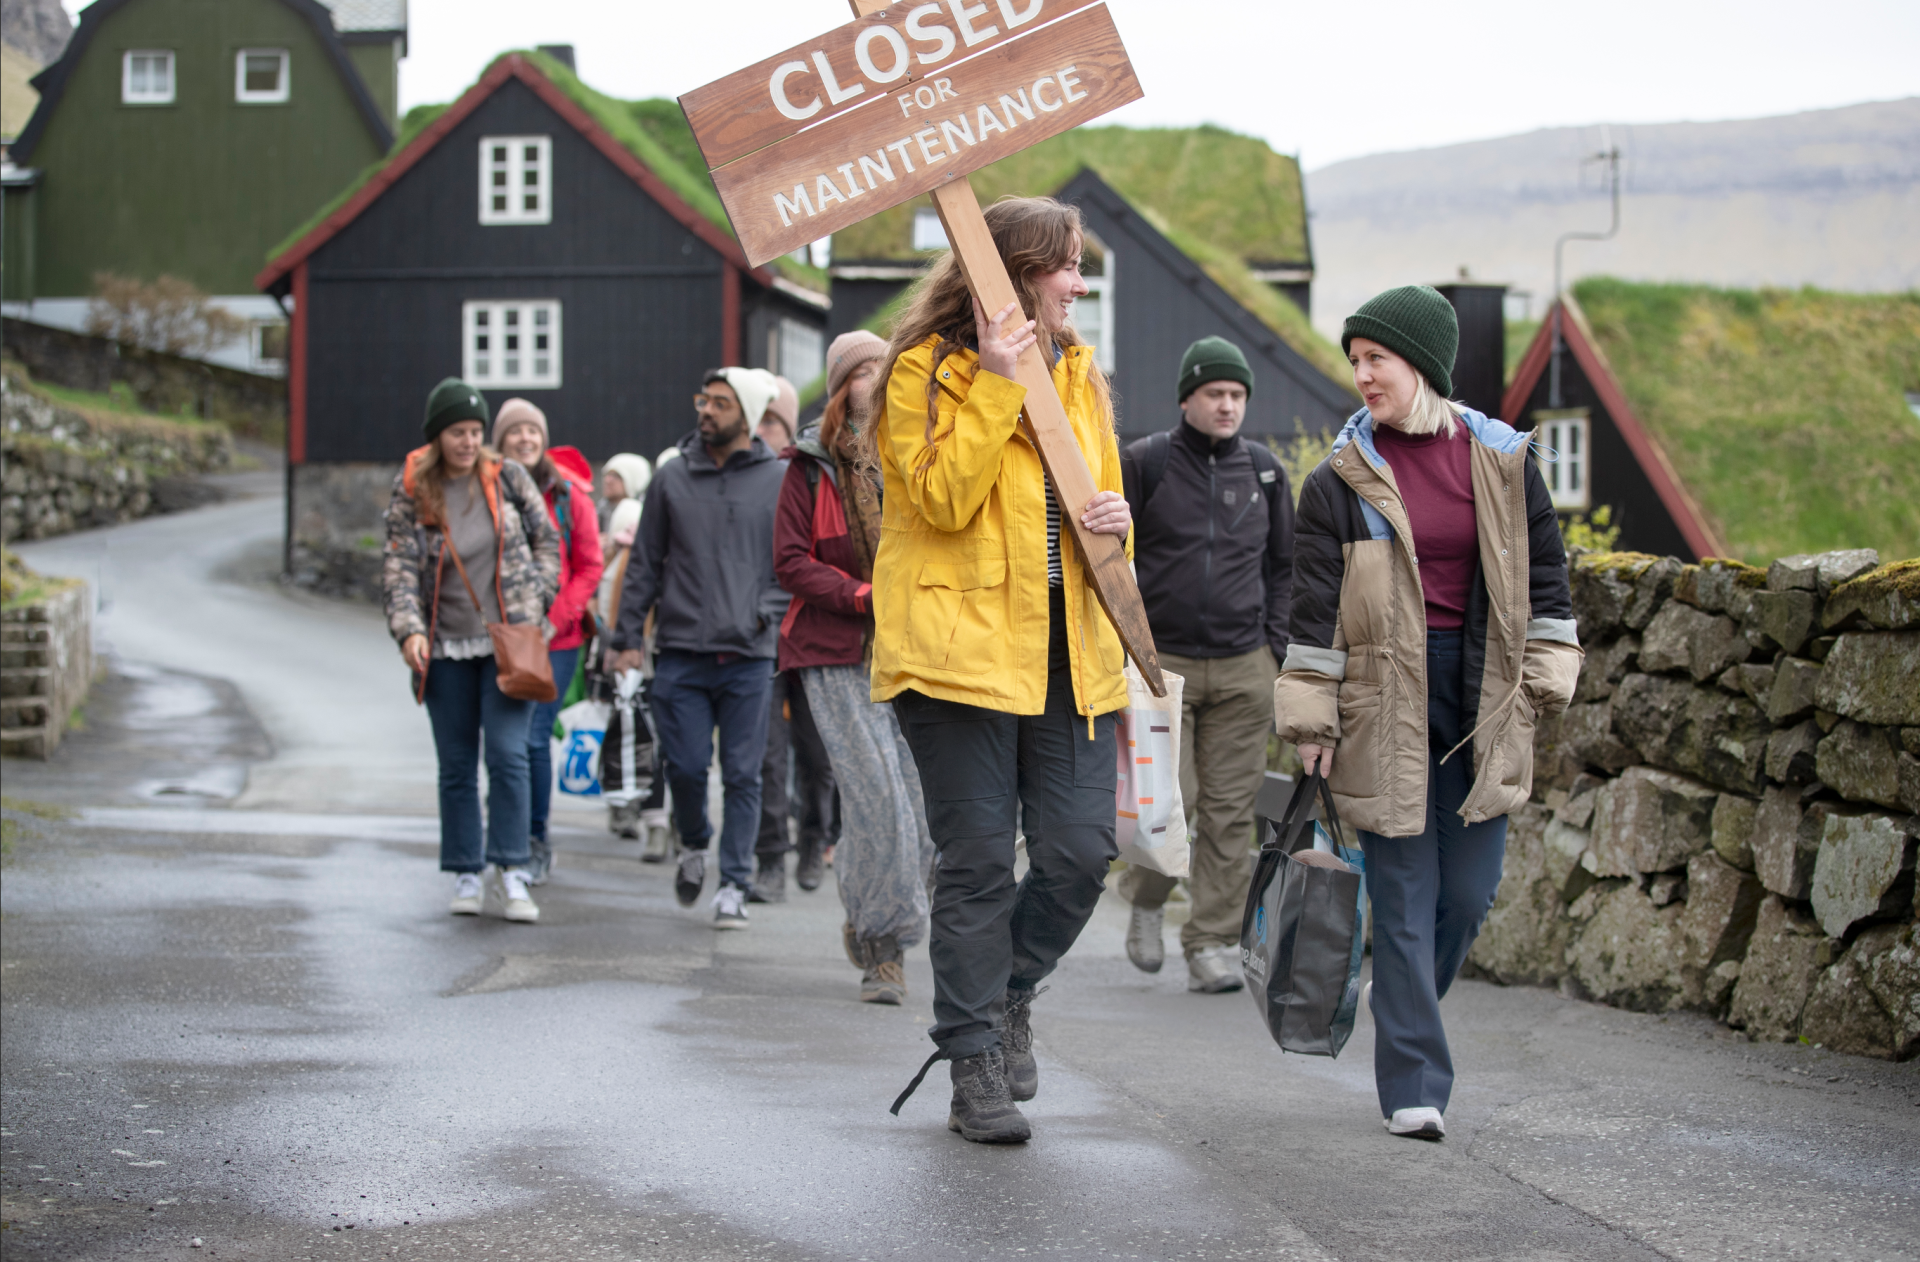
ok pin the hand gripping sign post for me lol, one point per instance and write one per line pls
(908, 99)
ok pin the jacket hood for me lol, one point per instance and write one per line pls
(1498, 435)
(572, 465)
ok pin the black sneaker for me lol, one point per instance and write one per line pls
(692, 874)
(539, 862)
(810, 869)
(982, 1111)
(769, 880)
(1016, 1042)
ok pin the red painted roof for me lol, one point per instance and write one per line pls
(512, 66)
(1647, 452)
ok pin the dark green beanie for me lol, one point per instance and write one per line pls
(452, 401)
(1213, 359)
(1415, 323)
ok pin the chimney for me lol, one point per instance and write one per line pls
(1480, 370)
(562, 53)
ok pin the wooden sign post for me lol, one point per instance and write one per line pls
(909, 99)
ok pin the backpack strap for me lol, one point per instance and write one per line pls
(1266, 468)
(562, 506)
(1159, 449)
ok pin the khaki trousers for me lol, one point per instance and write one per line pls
(1226, 717)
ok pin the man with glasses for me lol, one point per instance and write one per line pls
(703, 564)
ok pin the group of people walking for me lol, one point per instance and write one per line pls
(946, 677)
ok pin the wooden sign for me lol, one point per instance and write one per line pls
(862, 63)
(863, 161)
(787, 181)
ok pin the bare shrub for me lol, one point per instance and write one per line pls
(168, 314)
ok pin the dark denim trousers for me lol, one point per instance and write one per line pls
(540, 740)
(693, 693)
(985, 774)
(468, 712)
(1430, 893)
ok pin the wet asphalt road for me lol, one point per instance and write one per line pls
(233, 1010)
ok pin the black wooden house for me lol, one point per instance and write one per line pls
(519, 242)
(1605, 455)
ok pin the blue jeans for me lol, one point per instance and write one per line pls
(1430, 893)
(692, 694)
(468, 710)
(540, 740)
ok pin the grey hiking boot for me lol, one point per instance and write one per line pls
(769, 880)
(1016, 1042)
(1214, 970)
(982, 1110)
(624, 820)
(687, 881)
(883, 978)
(1144, 945)
(539, 861)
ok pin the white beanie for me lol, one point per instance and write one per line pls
(634, 472)
(756, 387)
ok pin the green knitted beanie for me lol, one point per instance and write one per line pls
(1415, 323)
(452, 401)
(1213, 359)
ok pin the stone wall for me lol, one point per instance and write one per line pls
(339, 526)
(68, 468)
(252, 405)
(1724, 820)
(46, 665)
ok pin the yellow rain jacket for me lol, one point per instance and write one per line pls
(960, 576)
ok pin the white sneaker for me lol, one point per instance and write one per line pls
(468, 894)
(516, 903)
(1366, 998)
(1144, 946)
(730, 908)
(1214, 970)
(1417, 1123)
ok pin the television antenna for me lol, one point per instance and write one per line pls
(1611, 156)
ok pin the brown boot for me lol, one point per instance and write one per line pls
(883, 977)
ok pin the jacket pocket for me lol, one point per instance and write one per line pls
(955, 617)
(1359, 763)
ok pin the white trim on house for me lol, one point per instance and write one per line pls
(146, 76)
(516, 179)
(511, 343)
(251, 61)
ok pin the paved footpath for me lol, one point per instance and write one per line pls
(236, 1022)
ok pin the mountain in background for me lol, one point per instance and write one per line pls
(1827, 198)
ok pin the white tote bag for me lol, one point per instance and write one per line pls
(1151, 819)
(576, 759)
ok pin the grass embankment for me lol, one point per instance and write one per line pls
(1784, 411)
(21, 584)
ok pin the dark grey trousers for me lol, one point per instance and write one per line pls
(986, 774)
(1430, 893)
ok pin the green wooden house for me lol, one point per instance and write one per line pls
(186, 138)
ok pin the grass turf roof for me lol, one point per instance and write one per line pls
(1783, 411)
(654, 131)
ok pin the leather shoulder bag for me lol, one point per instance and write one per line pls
(521, 665)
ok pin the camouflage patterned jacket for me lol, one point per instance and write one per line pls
(527, 573)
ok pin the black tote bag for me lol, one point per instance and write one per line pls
(1302, 935)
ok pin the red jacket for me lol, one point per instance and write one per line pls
(580, 560)
(826, 625)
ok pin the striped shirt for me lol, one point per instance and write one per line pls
(1055, 578)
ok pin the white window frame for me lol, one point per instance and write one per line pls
(277, 96)
(494, 363)
(127, 94)
(515, 169)
(1569, 434)
(256, 338)
(928, 232)
(802, 350)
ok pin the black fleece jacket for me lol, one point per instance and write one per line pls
(1213, 548)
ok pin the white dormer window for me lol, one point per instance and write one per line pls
(261, 76)
(146, 77)
(1568, 435)
(516, 179)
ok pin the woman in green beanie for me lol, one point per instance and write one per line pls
(503, 565)
(1432, 629)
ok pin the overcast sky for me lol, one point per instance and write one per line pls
(1326, 81)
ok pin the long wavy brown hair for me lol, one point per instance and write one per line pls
(1036, 235)
(430, 482)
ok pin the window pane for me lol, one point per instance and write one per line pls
(513, 341)
(480, 317)
(540, 317)
(533, 202)
(513, 317)
(481, 368)
(539, 367)
(533, 153)
(540, 341)
(499, 153)
(513, 368)
(263, 73)
(480, 342)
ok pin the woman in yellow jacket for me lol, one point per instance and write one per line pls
(1001, 666)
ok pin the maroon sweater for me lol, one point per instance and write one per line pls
(1435, 476)
(827, 622)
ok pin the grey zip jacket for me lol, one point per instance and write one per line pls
(703, 556)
